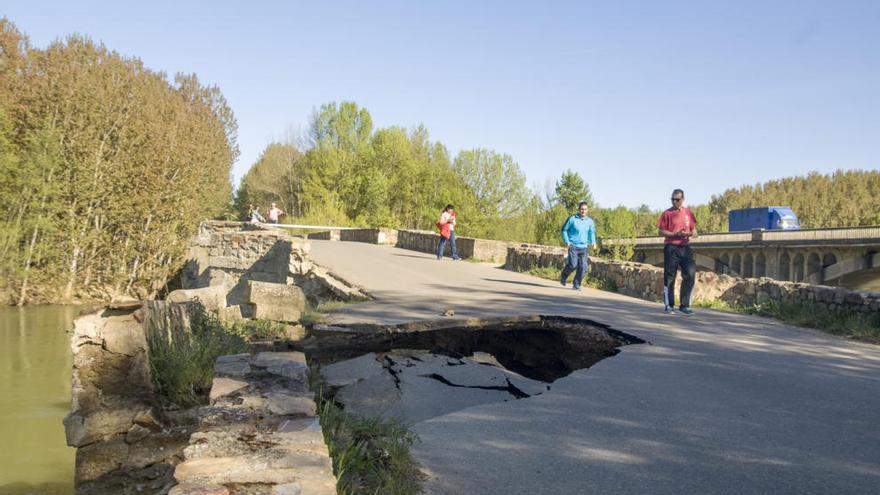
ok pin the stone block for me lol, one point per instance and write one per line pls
(233, 365)
(277, 302)
(222, 387)
(212, 298)
(287, 364)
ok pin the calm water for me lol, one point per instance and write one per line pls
(35, 365)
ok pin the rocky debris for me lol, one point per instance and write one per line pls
(319, 284)
(448, 312)
(260, 432)
(275, 302)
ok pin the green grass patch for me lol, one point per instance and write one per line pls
(839, 322)
(551, 273)
(370, 455)
(182, 365)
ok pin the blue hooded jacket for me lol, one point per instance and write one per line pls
(579, 232)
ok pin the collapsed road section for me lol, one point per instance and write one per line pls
(420, 370)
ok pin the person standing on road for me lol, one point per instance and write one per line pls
(446, 224)
(273, 214)
(678, 226)
(578, 233)
(255, 215)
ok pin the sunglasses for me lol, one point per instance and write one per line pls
(676, 199)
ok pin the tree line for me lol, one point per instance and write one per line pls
(348, 174)
(106, 168)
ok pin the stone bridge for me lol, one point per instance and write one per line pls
(848, 256)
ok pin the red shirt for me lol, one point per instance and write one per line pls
(673, 220)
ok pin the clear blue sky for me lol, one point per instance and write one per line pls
(638, 97)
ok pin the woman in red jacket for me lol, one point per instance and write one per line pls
(447, 232)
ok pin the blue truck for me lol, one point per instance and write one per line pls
(766, 217)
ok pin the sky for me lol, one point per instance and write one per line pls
(637, 97)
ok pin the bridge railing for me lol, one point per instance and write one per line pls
(831, 235)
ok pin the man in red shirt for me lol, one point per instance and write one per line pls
(678, 225)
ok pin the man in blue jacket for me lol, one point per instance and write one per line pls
(578, 233)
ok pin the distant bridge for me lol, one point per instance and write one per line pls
(818, 256)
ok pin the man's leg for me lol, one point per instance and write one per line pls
(441, 247)
(452, 245)
(581, 267)
(670, 266)
(688, 276)
(570, 264)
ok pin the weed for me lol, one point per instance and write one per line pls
(182, 365)
(370, 455)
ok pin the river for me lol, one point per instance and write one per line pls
(35, 367)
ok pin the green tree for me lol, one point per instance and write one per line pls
(571, 190)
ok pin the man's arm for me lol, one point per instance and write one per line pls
(565, 238)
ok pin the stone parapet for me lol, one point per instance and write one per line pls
(646, 282)
(468, 247)
(370, 236)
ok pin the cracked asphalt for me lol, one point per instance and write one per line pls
(717, 403)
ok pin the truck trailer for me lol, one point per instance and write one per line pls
(765, 217)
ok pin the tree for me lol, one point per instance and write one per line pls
(498, 185)
(571, 190)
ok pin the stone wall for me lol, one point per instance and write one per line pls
(468, 247)
(646, 282)
(223, 261)
(370, 236)
(123, 439)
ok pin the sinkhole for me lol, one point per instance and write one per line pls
(421, 370)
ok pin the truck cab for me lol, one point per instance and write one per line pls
(765, 217)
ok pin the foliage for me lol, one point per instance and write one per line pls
(182, 366)
(844, 198)
(106, 168)
(370, 455)
(571, 190)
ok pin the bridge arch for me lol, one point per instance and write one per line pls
(760, 265)
(852, 265)
(748, 266)
(784, 272)
(736, 263)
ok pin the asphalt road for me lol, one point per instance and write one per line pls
(716, 403)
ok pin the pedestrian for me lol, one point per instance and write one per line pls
(255, 215)
(678, 226)
(446, 224)
(273, 213)
(578, 233)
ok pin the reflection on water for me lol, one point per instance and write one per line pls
(35, 366)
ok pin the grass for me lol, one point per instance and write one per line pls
(591, 281)
(839, 322)
(183, 366)
(370, 455)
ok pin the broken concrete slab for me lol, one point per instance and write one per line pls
(414, 386)
(348, 372)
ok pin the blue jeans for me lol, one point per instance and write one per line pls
(577, 262)
(442, 246)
